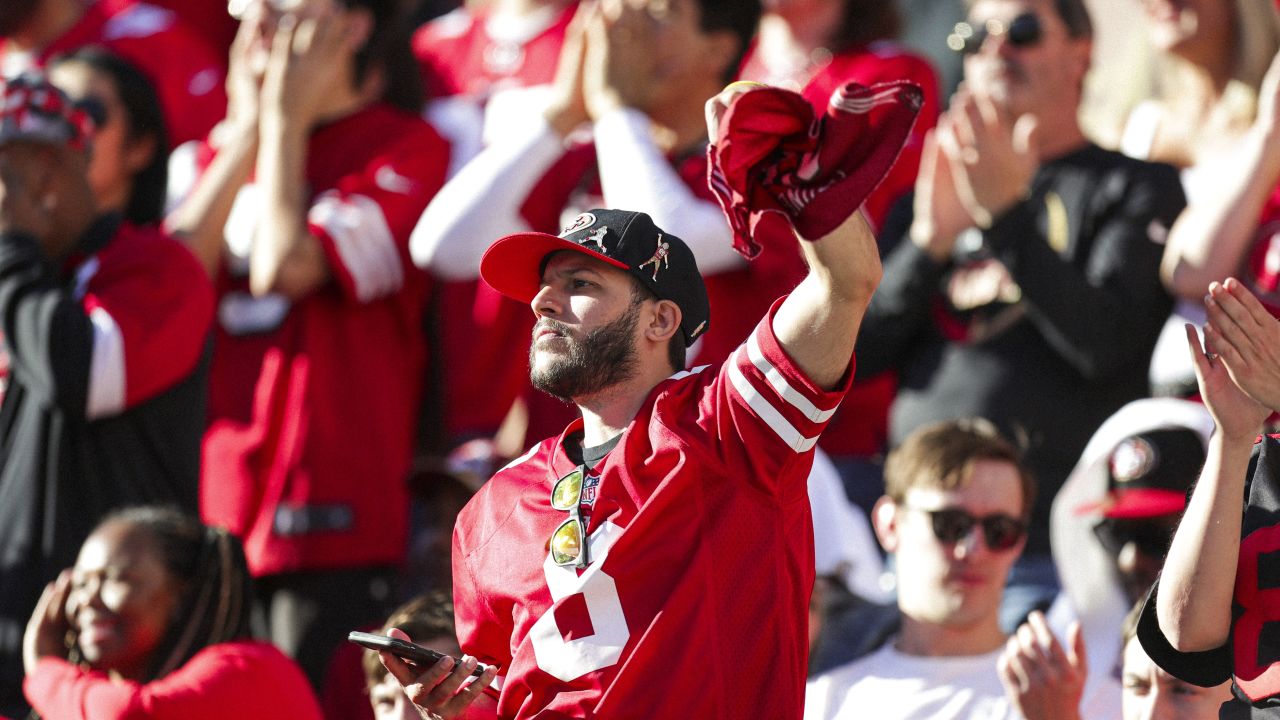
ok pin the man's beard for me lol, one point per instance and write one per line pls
(605, 357)
(14, 15)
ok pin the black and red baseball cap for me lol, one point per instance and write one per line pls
(627, 240)
(33, 110)
(1149, 474)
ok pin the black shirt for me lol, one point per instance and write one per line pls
(1043, 324)
(1251, 656)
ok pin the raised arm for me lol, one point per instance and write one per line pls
(1194, 603)
(1211, 238)
(818, 322)
(305, 71)
(201, 216)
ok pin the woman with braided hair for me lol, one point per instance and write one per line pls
(153, 622)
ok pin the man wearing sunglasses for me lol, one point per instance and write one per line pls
(654, 560)
(1024, 286)
(954, 519)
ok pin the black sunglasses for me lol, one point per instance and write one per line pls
(568, 542)
(1151, 538)
(951, 525)
(1021, 32)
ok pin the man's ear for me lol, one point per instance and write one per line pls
(1082, 56)
(664, 321)
(140, 152)
(884, 518)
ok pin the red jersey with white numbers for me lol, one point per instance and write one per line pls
(188, 74)
(694, 604)
(313, 403)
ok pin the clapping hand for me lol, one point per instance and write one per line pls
(1041, 679)
(992, 157)
(309, 54)
(621, 65)
(1239, 368)
(938, 215)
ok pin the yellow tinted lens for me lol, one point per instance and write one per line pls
(566, 543)
(567, 491)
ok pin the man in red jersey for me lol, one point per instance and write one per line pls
(654, 560)
(187, 72)
(302, 211)
(635, 75)
(106, 326)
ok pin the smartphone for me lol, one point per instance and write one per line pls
(407, 651)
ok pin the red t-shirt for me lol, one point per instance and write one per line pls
(188, 74)
(695, 600)
(313, 404)
(242, 679)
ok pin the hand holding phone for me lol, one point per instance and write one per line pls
(414, 653)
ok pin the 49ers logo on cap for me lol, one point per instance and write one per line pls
(1132, 459)
(585, 220)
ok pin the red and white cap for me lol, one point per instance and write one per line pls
(33, 110)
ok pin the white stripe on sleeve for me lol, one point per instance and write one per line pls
(363, 240)
(760, 405)
(106, 367)
(784, 388)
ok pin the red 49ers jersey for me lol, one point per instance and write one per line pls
(695, 601)
(313, 402)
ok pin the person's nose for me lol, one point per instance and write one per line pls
(547, 302)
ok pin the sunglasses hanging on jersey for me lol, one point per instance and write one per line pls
(951, 525)
(1023, 31)
(568, 543)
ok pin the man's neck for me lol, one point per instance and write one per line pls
(610, 411)
(51, 19)
(1057, 136)
(925, 639)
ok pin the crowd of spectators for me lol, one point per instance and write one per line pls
(251, 375)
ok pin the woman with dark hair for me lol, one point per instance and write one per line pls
(153, 622)
(128, 168)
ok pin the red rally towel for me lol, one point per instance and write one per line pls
(772, 155)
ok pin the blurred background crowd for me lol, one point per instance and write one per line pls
(321, 376)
